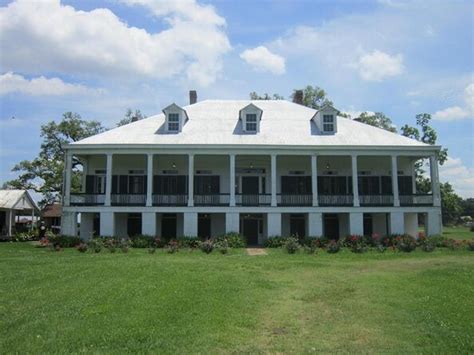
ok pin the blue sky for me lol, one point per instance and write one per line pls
(98, 58)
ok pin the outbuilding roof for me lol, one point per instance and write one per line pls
(216, 122)
(17, 200)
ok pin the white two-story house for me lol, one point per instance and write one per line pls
(259, 168)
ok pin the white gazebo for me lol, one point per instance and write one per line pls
(15, 203)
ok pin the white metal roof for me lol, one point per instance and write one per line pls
(216, 122)
(17, 200)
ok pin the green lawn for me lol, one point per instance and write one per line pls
(458, 232)
(190, 302)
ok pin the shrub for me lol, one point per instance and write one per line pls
(452, 244)
(234, 240)
(124, 245)
(275, 242)
(65, 241)
(207, 246)
(82, 247)
(425, 244)
(428, 247)
(141, 241)
(381, 248)
(405, 243)
(291, 245)
(470, 245)
(436, 240)
(333, 246)
(172, 247)
(189, 242)
(311, 249)
(111, 244)
(96, 244)
(152, 249)
(23, 237)
(472, 228)
(223, 246)
(357, 243)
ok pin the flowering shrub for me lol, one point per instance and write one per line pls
(452, 244)
(172, 247)
(140, 241)
(357, 243)
(312, 248)
(96, 244)
(405, 243)
(234, 240)
(111, 245)
(425, 244)
(82, 247)
(44, 242)
(275, 242)
(291, 245)
(124, 245)
(65, 241)
(188, 242)
(470, 245)
(207, 246)
(381, 248)
(222, 246)
(333, 247)
(23, 237)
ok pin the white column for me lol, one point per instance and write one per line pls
(396, 197)
(273, 225)
(314, 180)
(107, 224)
(232, 179)
(315, 224)
(87, 226)
(10, 221)
(69, 224)
(273, 178)
(85, 164)
(149, 223)
(397, 223)
(190, 180)
(149, 181)
(232, 222)
(435, 181)
(108, 181)
(356, 223)
(67, 182)
(411, 224)
(190, 224)
(434, 224)
(355, 184)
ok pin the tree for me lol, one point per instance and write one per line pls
(378, 119)
(129, 115)
(254, 96)
(44, 174)
(427, 135)
(313, 97)
(451, 208)
(467, 206)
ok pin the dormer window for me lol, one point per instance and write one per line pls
(251, 122)
(173, 122)
(328, 123)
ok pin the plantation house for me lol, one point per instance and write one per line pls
(260, 168)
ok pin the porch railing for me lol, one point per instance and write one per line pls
(170, 200)
(376, 200)
(294, 200)
(336, 200)
(128, 199)
(416, 200)
(253, 200)
(87, 199)
(212, 200)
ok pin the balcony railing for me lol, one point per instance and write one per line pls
(87, 199)
(335, 200)
(212, 200)
(294, 200)
(376, 200)
(416, 200)
(128, 199)
(253, 200)
(170, 200)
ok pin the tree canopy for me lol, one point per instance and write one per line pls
(129, 115)
(378, 119)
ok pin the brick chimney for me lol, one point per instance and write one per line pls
(192, 97)
(298, 97)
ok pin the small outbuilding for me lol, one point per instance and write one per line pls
(13, 204)
(51, 215)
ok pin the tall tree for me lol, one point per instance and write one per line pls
(254, 96)
(451, 204)
(313, 97)
(378, 119)
(129, 115)
(44, 174)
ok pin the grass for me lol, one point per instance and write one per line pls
(458, 232)
(190, 302)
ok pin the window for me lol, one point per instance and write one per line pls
(328, 123)
(173, 122)
(251, 122)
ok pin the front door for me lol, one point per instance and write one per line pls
(134, 224)
(250, 230)
(168, 226)
(250, 190)
(297, 226)
(331, 226)
(204, 226)
(368, 224)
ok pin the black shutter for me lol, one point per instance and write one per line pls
(90, 179)
(114, 184)
(156, 184)
(123, 184)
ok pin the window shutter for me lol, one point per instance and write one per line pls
(90, 184)
(123, 184)
(114, 184)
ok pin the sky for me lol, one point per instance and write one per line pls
(98, 58)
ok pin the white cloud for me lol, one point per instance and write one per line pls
(377, 66)
(39, 36)
(454, 113)
(355, 113)
(261, 59)
(458, 175)
(41, 86)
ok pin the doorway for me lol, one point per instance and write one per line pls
(168, 225)
(204, 226)
(298, 225)
(251, 226)
(368, 224)
(134, 224)
(250, 190)
(331, 226)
